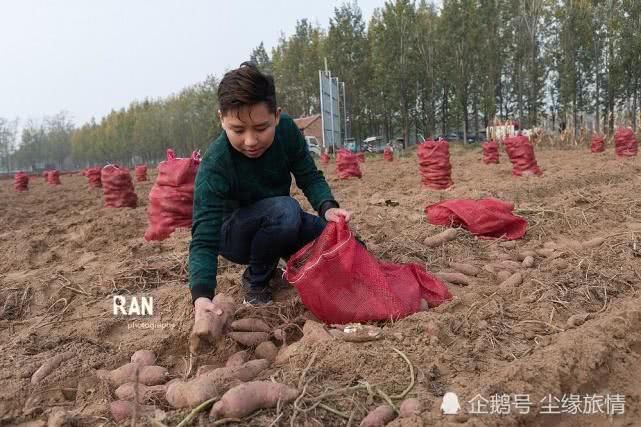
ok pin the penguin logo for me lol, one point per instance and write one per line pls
(450, 405)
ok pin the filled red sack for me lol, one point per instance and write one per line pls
(340, 282)
(490, 152)
(434, 164)
(141, 173)
(324, 159)
(598, 143)
(93, 177)
(521, 153)
(360, 157)
(388, 154)
(53, 177)
(21, 181)
(171, 198)
(485, 218)
(625, 143)
(118, 189)
(347, 164)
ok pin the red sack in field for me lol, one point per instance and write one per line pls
(45, 175)
(360, 157)
(53, 177)
(324, 159)
(388, 154)
(21, 181)
(93, 177)
(521, 154)
(485, 218)
(171, 198)
(141, 173)
(625, 143)
(340, 282)
(347, 164)
(434, 164)
(118, 189)
(598, 143)
(490, 152)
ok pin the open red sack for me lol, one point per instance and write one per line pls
(21, 181)
(93, 177)
(118, 189)
(490, 152)
(340, 282)
(598, 143)
(485, 218)
(53, 177)
(434, 164)
(141, 173)
(171, 198)
(324, 159)
(388, 154)
(625, 143)
(347, 164)
(521, 154)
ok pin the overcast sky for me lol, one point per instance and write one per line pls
(89, 56)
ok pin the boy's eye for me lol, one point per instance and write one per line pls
(261, 129)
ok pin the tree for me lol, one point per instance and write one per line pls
(260, 57)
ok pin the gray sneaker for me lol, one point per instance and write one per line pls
(256, 294)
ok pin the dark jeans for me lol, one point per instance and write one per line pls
(262, 233)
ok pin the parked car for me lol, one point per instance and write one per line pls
(312, 145)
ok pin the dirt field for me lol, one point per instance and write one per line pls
(63, 256)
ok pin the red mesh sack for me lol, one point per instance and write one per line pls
(340, 282)
(93, 177)
(118, 189)
(21, 181)
(141, 173)
(388, 154)
(434, 164)
(45, 175)
(485, 218)
(490, 152)
(625, 143)
(598, 143)
(360, 157)
(324, 159)
(347, 164)
(171, 198)
(521, 154)
(53, 177)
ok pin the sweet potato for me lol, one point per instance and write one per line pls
(509, 265)
(207, 368)
(147, 375)
(50, 365)
(314, 332)
(503, 275)
(524, 254)
(127, 391)
(237, 359)
(124, 409)
(211, 326)
(545, 252)
(593, 243)
(183, 394)
(249, 339)
(279, 335)
(143, 357)
(440, 238)
(528, 262)
(468, 269)
(250, 325)
(514, 280)
(244, 399)
(550, 245)
(456, 278)
(378, 417)
(266, 350)
(410, 407)
(577, 320)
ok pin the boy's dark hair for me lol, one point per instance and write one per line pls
(246, 86)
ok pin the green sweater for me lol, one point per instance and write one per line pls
(227, 180)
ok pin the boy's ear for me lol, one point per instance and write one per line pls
(220, 117)
(278, 110)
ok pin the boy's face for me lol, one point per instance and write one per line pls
(251, 129)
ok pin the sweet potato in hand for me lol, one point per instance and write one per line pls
(212, 320)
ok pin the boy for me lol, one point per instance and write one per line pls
(242, 206)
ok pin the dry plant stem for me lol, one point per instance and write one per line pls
(411, 385)
(195, 412)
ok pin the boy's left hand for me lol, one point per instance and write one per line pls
(334, 214)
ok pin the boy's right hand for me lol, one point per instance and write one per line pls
(212, 319)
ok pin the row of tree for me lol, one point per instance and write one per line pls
(557, 63)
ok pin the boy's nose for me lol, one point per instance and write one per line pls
(251, 140)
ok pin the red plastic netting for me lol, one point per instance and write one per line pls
(361, 157)
(45, 175)
(118, 189)
(340, 282)
(625, 143)
(388, 154)
(324, 159)
(490, 152)
(347, 164)
(521, 154)
(53, 177)
(141, 173)
(171, 198)
(434, 164)
(93, 177)
(485, 218)
(598, 143)
(21, 181)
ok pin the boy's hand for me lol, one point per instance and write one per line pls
(334, 214)
(212, 319)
